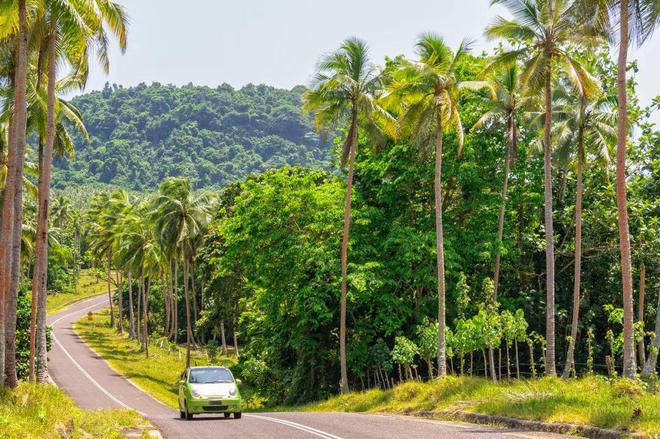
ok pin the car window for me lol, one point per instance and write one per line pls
(207, 375)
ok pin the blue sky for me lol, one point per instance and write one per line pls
(278, 42)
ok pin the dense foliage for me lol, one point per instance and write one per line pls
(213, 136)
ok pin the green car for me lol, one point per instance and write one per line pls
(209, 389)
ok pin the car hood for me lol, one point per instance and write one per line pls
(213, 389)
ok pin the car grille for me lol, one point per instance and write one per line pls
(215, 408)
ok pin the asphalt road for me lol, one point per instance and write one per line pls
(89, 380)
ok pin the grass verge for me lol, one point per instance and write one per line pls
(594, 401)
(44, 411)
(157, 375)
(88, 286)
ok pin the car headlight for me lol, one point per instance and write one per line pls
(195, 393)
(232, 391)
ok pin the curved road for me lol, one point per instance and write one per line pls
(89, 380)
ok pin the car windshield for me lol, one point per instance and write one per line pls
(209, 375)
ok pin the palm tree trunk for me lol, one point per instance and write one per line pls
(439, 244)
(112, 312)
(652, 359)
(500, 220)
(14, 179)
(120, 304)
(187, 298)
(131, 317)
(36, 269)
(570, 357)
(175, 304)
(138, 331)
(145, 314)
(549, 231)
(640, 310)
(41, 255)
(344, 253)
(629, 368)
(168, 299)
(11, 377)
(192, 291)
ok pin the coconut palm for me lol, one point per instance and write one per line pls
(63, 145)
(71, 27)
(12, 214)
(137, 250)
(505, 106)
(636, 20)
(546, 28)
(585, 126)
(428, 90)
(178, 217)
(343, 96)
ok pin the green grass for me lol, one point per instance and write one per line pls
(88, 286)
(158, 375)
(44, 411)
(589, 401)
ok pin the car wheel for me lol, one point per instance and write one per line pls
(237, 415)
(227, 415)
(182, 415)
(187, 414)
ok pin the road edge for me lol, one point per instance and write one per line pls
(588, 431)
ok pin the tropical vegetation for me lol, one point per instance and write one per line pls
(486, 216)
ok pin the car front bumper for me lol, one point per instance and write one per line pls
(214, 405)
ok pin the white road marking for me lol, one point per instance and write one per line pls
(84, 372)
(291, 424)
(308, 429)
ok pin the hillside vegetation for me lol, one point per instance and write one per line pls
(140, 135)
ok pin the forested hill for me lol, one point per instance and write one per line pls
(140, 135)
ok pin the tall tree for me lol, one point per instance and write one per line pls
(344, 95)
(637, 20)
(12, 204)
(429, 90)
(586, 125)
(179, 215)
(546, 28)
(77, 25)
(506, 104)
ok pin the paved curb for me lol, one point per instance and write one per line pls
(528, 425)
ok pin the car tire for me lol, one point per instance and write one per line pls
(227, 415)
(182, 415)
(237, 415)
(187, 414)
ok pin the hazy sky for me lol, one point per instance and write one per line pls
(278, 42)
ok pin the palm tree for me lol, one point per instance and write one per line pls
(506, 104)
(62, 145)
(429, 90)
(139, 252)
(344, 95)
(545, 27)
(637, 20)
(61, 211)
(12, 213)
(73, 27)
(586, 122)
(178, 217)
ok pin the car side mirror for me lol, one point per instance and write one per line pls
(238, 381)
